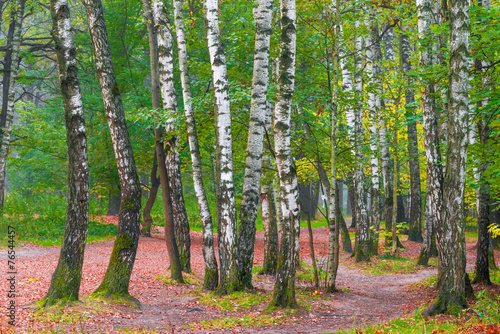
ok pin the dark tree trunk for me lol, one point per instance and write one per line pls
(114, 200)
(65, 283)
(117, 278)
(155, 184)
(350, 201)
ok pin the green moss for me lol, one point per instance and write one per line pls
(211, 279)
(190, 279)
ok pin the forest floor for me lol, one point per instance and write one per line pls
(368, 294)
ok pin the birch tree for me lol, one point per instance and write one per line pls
(253, 162)
(226, 206)
(452, 278)
(9, 113)
(117, 278)
(159, 63)
(169, 97)
(268, 207)
(211, 278)
(65, 283)
(412, 141)
(431, 135)
(284, 287)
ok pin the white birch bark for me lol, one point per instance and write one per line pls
(211, 278)
(452, 278)
(226, 206)
(167, 85)
(9, 117)
(284, 287)
(117, 277)
(253, 162)
(65, 283)
(374, 69)
(268, 207)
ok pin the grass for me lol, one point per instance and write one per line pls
(248, 320)
(74, 313)
(235, 302)
(190, 279)
(487, 308)
(386, 264)
(49, 230)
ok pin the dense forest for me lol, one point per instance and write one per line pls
(374, 124)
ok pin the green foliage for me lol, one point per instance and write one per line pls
(41, 220)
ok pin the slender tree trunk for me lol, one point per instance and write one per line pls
(117, 278)
(211, 279)
(374, 70)
(452, 278)
(65, 283)
(394, 249)
(268, 209)
(226, 206)
(429, 244)
(7, 68)
(253, 162)
(155, 184)
(355, 133)
(416, 196)
(172, 162)
(284, 287)
(431, 135)
(334, 213)
(311, 248)
(9, 112)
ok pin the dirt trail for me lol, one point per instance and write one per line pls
(369, 298)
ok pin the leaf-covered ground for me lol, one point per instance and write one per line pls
(370, 293)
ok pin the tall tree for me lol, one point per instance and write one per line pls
(65, 283)
(117, 278)
(253, 163)
(226, 206)
(6, 131)
(284, 287)
(416, 196)
(452, 278)
(161, 62)
(334, 212)
(431, 135)
(211, 279)
(166, 76)
(268, 207)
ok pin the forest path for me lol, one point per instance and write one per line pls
(366, 298)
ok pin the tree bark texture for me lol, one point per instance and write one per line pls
(9, 112)
(167, 88)
(415, 222)
(117, 277)
(226, 206)
(155, 184)
(452, 278)
(428, 248)
(65, 283)
(211, 279)
(374, 70)
(268, 208)
(284, 287)
(354, 115)
(253, 162)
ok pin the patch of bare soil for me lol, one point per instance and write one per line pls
(365, 299)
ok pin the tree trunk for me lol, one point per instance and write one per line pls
(374, 69)
(155, 184)
(284, 287)
(211, 279)
(452, 278)
(226, 206)
(355, 132)
(7, 68)
(9, 112)
(395, 189)
(253, 161)
(268, 209)
(65, 283)
(415, 222)
(166, 80)
(428, 248)
(117, 277)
